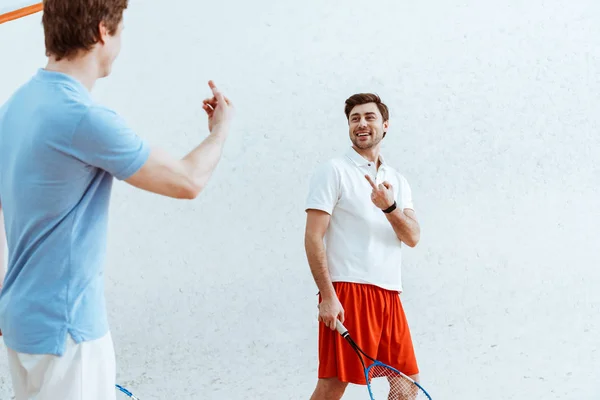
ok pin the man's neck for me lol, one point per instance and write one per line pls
(371, 154)
(84, 69)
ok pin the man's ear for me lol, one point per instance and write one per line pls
(103, 32)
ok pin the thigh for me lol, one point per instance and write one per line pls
(363, 319)
(18, 375)
(43, 376)
(396, 347)
(363, 312)
(329, 389)
(86, 371)
(99, 369)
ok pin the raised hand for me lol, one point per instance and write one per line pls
(218, 108)
(382, 195)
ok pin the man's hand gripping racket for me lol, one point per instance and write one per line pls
(402, 387)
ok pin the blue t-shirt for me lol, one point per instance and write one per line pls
(59, 152)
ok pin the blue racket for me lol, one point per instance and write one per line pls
(402, 387)
(127, 392)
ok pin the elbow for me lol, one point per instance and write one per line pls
(308, 241)
(412, 241)
(312, 241)
(190, 185)
(186, 195)
(189, 191)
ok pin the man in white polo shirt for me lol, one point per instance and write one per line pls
(359, 217)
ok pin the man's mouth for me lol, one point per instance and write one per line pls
(361, 134)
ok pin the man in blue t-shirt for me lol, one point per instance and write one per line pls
(59, 153)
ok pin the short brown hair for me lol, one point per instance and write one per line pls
(364, 98)
(71, 26)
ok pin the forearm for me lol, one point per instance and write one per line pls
(406, 228)
(317, 260)
(201, 162)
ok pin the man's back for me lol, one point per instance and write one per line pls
(58, 154)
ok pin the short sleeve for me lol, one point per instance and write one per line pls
(324, 188)
(407, 200)
(104, 140)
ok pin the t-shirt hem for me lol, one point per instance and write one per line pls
(79, 337)
(58, 348)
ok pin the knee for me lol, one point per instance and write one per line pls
(329, 389)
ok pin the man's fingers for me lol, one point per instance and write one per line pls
(329, 321)
(387, 184)
(211, 102)
(371, 182)
(212, 85)
(208, 110)
(216, 92)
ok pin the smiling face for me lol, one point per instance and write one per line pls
(366, 126)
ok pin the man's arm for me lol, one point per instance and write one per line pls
(181, 178)
(317, 222)
(405, 225)
(186, 178)
(404, 222)
(330, 308)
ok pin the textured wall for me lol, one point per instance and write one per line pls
(495, 123)
(12, 5)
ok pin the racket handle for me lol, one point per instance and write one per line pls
(340, 327)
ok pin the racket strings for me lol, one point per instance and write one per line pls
(401, 388)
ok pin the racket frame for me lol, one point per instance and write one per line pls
(346, 335)
(127, 392)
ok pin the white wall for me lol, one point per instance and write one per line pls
(12, 5)
(495, 122)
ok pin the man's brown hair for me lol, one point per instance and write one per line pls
(71, 26)
(364, 98)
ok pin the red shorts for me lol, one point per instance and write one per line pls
(375, 319)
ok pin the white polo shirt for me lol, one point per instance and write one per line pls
(360, 243)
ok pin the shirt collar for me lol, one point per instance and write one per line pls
(360, 160)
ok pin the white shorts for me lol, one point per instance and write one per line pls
(86, 371)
